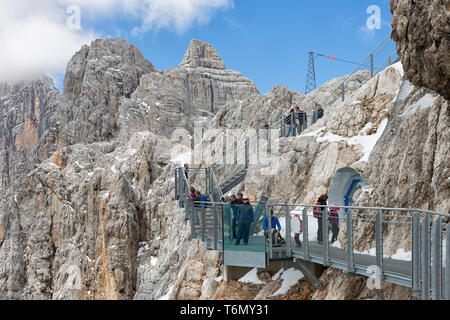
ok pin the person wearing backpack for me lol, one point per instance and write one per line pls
(197, 205)
(318, 214)
(333, 217)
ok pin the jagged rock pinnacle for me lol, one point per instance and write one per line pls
(202, 54)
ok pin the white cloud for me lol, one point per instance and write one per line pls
(35, 37)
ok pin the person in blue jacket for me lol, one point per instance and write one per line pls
(274, 225)
(245, 217)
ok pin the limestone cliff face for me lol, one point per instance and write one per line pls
(193, 91)
(422, 32)
(95, 219)
(96, 79)
(26, 108)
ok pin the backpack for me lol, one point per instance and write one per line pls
(204, 199)
(316, 211)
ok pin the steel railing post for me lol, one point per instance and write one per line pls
(180, 187)
(288, 232)
(203, 222)
(177, 197)
(343, 91)
(379, 239)
(207, 181)
(247, 153)
(371, 66)
(270, 235)
(305, 235)
(416, 285)
(216, 223)
(436, 251)
(447, 263)
(425, 257)
(190, 204)
(294, 127)
(325, 237)
(350, 253)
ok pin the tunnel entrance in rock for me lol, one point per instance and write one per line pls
(343, 187)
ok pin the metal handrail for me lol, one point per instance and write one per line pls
(216, 183)
(426, 235)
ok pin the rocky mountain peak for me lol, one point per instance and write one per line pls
(202, 54)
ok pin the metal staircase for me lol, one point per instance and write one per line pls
(233, 181)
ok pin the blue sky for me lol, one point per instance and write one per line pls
(267, 41)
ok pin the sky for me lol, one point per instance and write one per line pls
(267, 41)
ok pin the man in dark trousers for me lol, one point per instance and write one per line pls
(234, 208)
(301, 120)
(319, 214)
(244, 220)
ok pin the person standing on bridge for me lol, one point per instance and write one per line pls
(235, 203)
(290, 122)
(319, 214)
(333, 217)
(186, 171)
(244, 219)
(300, 120)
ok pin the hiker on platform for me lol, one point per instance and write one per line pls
(234, 208)
(192, 193)
(240, 198)
(290, 122)
(244, 219)
(300, 230)
(199, 202)
(274, 225)
(300, 120)
(333, 217)
(319, 214)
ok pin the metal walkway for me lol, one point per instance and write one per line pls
(427, 235)
(426, 269)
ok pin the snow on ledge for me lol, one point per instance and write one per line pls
(251, 277)
(290, 278)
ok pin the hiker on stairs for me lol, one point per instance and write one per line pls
(290, 122)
